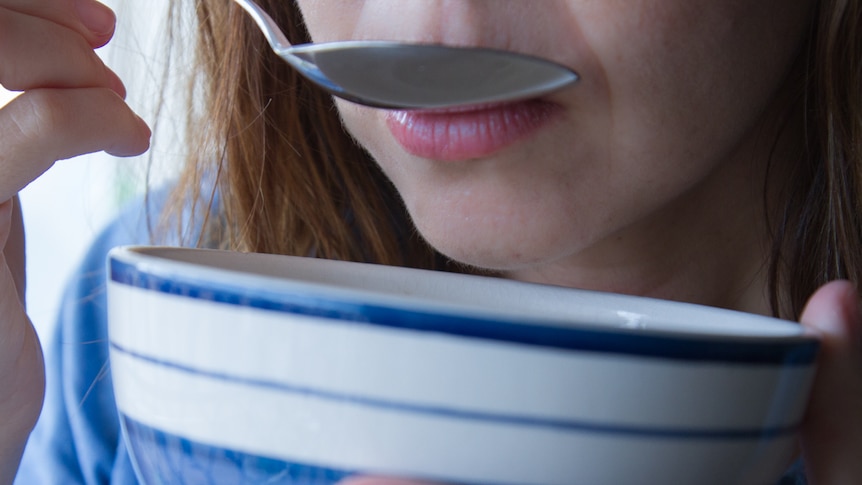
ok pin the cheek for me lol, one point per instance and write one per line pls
(367, 126)
(687, 81)
(330, 20)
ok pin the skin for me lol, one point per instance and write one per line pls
(679, 167)
(654, 164)
(71, 104)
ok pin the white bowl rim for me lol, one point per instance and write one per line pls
(166, 270)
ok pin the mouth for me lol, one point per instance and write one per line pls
(470, 132)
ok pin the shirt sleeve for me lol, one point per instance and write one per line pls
(77, 439)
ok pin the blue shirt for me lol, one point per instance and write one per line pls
(77, 439)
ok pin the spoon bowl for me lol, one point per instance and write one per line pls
(398, 75)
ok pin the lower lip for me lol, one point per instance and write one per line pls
(455, 135)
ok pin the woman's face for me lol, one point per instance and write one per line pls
(670, 94)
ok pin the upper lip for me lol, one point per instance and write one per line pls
(551, 99)
(465, 108)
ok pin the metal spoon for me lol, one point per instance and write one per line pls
(414, 76)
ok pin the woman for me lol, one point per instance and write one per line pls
(711, 153)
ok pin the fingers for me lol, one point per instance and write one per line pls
(38, 53)
(72, 103)
(91, 19)
(832, 432)
(45, 125)
(98, 19)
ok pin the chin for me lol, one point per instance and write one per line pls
(495, 250)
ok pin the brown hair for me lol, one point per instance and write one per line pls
(289, 179)
(818, 237)
(292, 181)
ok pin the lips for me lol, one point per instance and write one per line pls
(469, 133)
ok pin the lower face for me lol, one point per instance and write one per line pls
(671, 92)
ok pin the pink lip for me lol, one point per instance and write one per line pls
(473, 132)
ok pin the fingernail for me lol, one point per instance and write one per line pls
(839, 317)
(116, 83)
(145, 127)
(96, 16)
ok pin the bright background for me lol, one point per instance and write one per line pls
(65, 208)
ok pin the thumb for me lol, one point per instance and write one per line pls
(832, 431)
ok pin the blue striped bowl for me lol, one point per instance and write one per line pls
(247, 368)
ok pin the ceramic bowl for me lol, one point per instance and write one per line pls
(248, 368)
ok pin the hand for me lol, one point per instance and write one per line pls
(832, 431)
(71, 104)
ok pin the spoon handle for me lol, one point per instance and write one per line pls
(274, 36)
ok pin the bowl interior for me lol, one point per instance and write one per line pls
(438, 292)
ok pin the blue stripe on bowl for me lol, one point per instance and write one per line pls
(784, 350)
(569, 426)
(165, 458)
